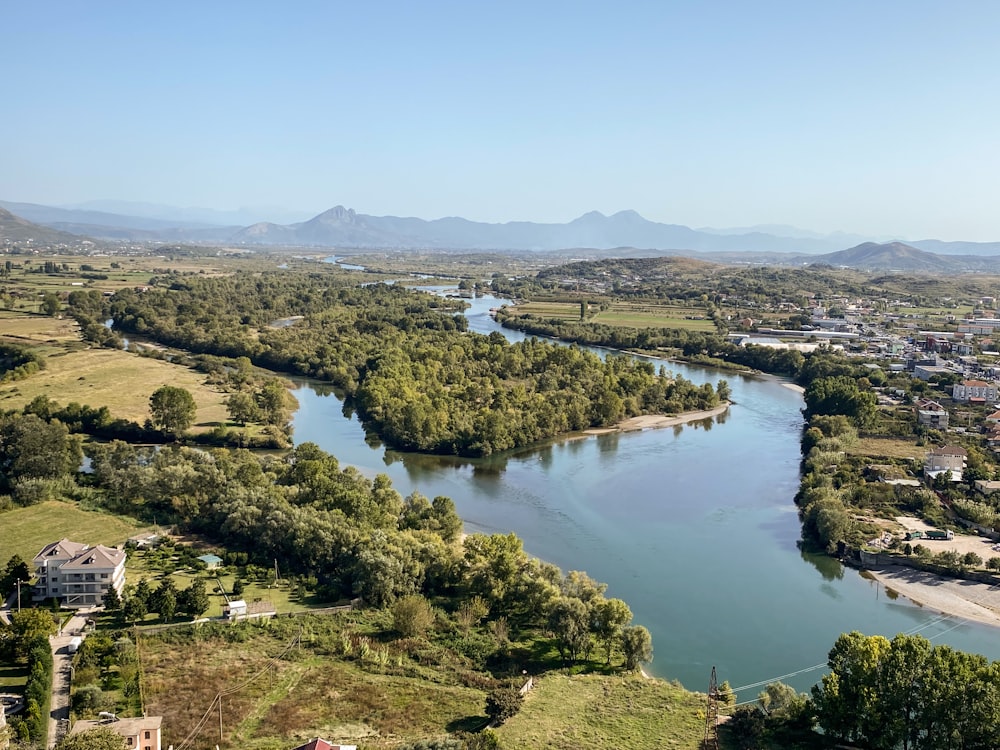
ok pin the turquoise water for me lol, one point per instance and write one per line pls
(693, 526)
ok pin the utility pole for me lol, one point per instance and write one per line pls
(18, 594)
(712, 719)
(220, 717)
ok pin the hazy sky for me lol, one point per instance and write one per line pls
(872, 117)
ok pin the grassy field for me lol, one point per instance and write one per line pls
(655, 316)
(626, 713)
(623, 314)
(117, 379)
(37, 329)
(24, 531)
(418, 693)
(877, 447)
(306, 694)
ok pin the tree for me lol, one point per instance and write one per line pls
(242, 408)
(15, 570)
(273, 402)
(846, 701)
(503, 703)
(193, 601)
(637, 645)
(112, 601)
(51, 304)
(164, 599)
(611, 616)
(28, 626)
(972, 560)
(173, 409)
(841, 395)
(412, 616)
(99, 738)
(32, 448)
(569, 623)
(238, 587)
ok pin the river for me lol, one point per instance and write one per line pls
(693, 526)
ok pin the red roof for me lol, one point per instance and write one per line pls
(975, 384)
(319, 744)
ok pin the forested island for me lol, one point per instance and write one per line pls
(403, 357)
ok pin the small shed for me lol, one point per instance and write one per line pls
(234, 609)
(211, 561)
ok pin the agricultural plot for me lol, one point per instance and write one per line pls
(655, 316)
(623, 314)
(24, 531)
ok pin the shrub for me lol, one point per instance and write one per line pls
(503, 703)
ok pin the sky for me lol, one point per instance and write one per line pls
(878, 118)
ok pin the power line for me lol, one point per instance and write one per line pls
(229, 691)
(937, 619)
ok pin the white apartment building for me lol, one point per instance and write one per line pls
(77, 575)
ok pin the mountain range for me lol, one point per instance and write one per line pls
(623, 233)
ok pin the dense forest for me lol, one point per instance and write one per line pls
(404, 358)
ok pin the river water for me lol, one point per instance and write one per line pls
(693, 526)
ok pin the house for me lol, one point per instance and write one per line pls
(234, 609)
(77, 575)
(926, 372)
(946, 458)
(994, 418)
(319, 744)
(931, 414)
(211, 561)
(974, 391)
(987, 486)
(142, 733)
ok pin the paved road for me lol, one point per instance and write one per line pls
(61, 667)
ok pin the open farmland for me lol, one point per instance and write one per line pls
(623, 314)
(119, 380)
(24, 531)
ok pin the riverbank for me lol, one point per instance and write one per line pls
(654, 421)
(969, 600)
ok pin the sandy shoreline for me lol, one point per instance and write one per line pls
(969, 600)
(652, 421)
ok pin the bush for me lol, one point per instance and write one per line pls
(503, 703)
(412, 616)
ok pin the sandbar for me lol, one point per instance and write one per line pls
(969, 600)
(653, 421)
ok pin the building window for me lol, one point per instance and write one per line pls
(55, 591)
(104, 576)
(147, 734)
(128, 741)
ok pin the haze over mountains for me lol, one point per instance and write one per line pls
(621, 233)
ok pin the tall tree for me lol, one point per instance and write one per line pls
(610, 617)
(173, 409)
